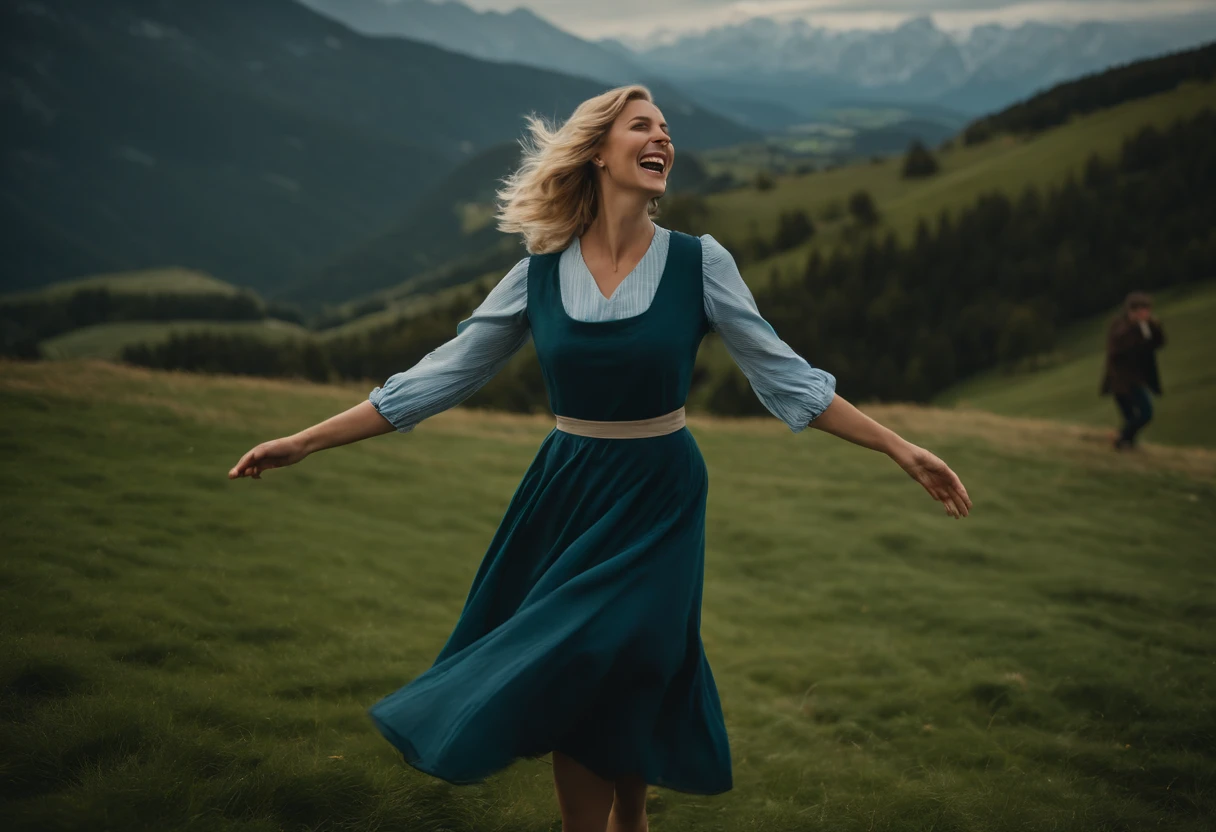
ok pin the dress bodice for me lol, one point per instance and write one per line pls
(635, 367)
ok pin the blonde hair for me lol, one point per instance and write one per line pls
(551, 197)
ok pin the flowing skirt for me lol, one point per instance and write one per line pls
(581, 632)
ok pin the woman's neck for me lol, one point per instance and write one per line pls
(621, 226)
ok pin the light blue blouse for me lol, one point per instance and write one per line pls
(789, 387)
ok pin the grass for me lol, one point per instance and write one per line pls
(179, 651)
(1006, 164)
(170, 280)
(1065, 385)
(107, 340)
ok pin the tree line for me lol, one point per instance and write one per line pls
(992, 284)
(24, 321)
(1097, 91)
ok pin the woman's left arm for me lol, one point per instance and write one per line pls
(801, 395)
(842, 419)
(784, 382)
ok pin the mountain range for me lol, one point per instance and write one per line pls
(981, 70)
(518, 36)
(747, 69)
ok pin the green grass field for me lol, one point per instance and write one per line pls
(107, 340)
(1065, 386)
(184, 652)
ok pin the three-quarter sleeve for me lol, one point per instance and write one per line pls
(786, 384)
(457, 369)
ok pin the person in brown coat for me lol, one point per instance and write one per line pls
(1131, 373)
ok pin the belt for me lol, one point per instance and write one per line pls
(630, 429)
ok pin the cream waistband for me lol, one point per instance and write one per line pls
(631, 429)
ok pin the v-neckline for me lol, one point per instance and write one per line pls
(561, 301)
(609, 298)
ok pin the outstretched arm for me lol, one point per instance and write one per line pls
(784, 382)
(359, 422)
(844, 420)
(484, 342)
(801, 395)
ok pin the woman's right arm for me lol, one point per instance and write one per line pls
(359, 422)
(484, 342)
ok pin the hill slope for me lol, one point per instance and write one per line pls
(1067, 388)
(1006, 164)
(174, 645)
(249, 138)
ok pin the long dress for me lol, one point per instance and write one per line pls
(581, 631)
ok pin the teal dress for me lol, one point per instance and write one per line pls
(581, 631)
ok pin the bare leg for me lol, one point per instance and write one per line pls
(629, 806)
(585, 799)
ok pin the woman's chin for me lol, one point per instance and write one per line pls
(655, 189)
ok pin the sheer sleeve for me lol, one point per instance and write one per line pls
(455, 370)
(786, 384)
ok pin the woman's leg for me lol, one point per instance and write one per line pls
(629, 806)
(585, 798)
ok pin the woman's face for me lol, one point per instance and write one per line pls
(637, 153)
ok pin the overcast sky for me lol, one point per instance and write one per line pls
(599, 18)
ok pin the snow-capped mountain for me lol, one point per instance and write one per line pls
(987, 67)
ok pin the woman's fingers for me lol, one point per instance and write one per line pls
(237, 469)
(943, 485)
(247, 464)
(960, 490)
(953, 503)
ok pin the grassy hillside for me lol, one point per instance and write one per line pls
(179, 651)
(1007, 164)
(1065, 385)
(153, 281)
(107, 340)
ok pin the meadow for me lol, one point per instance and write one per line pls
(184, 652)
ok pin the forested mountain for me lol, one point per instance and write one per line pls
(252, 139)
(993, 283)
(1098, 91)
(519, 36)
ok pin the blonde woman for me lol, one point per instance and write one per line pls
(580, 634)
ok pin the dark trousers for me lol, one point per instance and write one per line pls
(1137, 408)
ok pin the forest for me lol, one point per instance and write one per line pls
(1095, 92)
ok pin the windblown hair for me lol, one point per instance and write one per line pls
(551, 197)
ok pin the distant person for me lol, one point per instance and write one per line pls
(1130, 373)
(580, 634)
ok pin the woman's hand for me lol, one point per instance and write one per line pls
(277, 453)
(937, 478)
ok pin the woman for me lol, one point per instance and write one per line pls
(580, 635)
(1130, 372)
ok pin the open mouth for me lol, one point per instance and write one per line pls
(654, 163)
